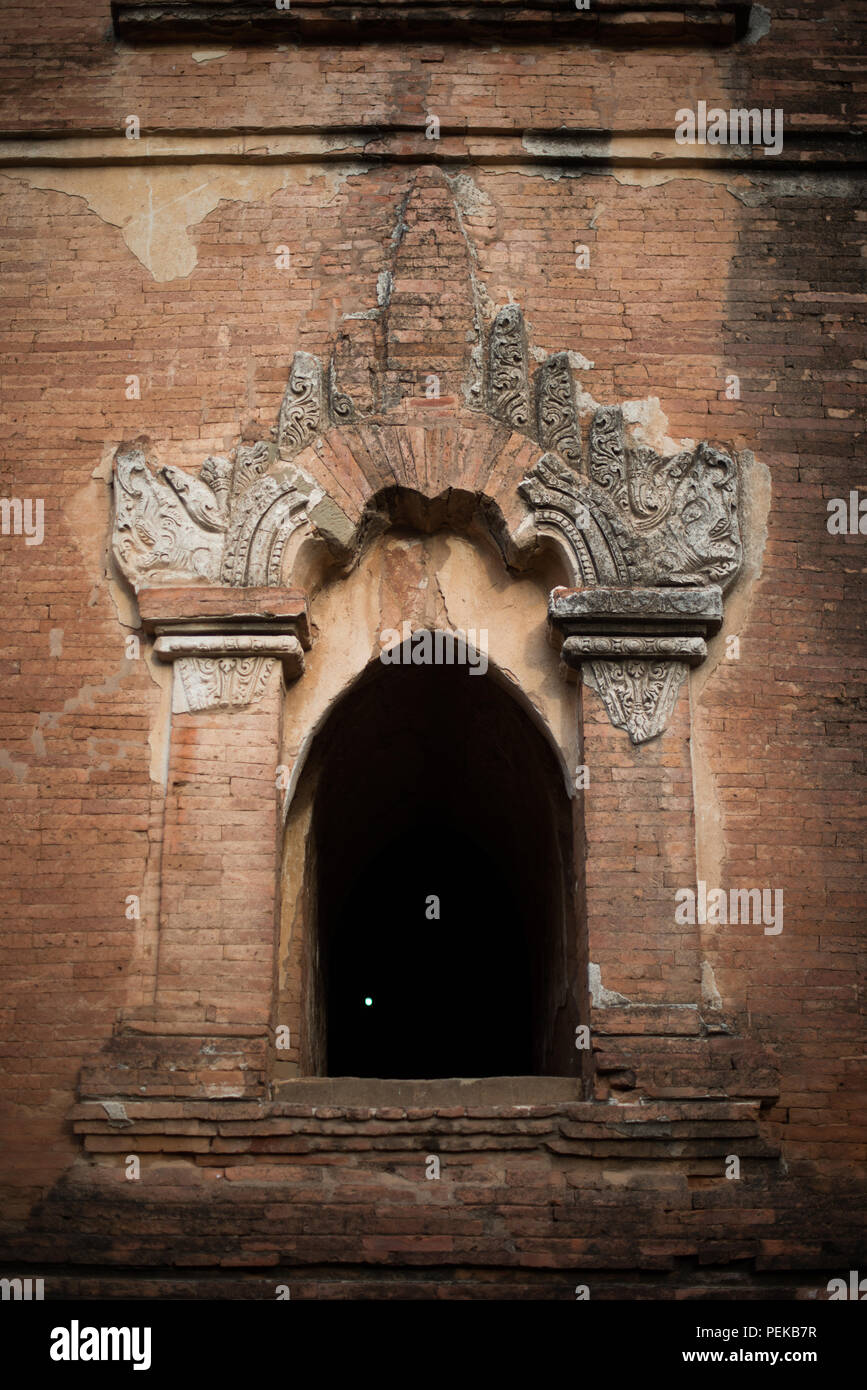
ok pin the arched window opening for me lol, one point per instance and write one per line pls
(441, 872)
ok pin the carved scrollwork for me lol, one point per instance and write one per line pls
(247, 557)
(635, 520)
(607, 455)
(638, 695)
(301, 410)
(664, 520)
(556, 416)
(509, 389)
(340, 406)
(577, 650)
(222, 682)
(251, 463)
(217, 473)
(565, 502)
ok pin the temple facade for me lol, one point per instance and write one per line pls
(432, 650)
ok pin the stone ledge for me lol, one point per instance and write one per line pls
(649, 612)
(132, 1024)
(216, 1133)
(647, 1020)
(612, 21)
(586, 1112)
(219, 608)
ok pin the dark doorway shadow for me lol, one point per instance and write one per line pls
(442, 882)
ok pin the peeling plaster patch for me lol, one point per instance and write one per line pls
(710, 995)
(155, 206)
(710, 849)
(601, 996)
(646, 420)
(55, 642)
(104, 468)
(584, 402)
(753, 192)
(116, 1112)
(756, 491)
(567, 146)
(652, 178)
(88, 513)
(469, 198)
(576, 359)
(760, 24)
(384, 287)
(125, 605)
(84, 699)
(649, 425)
(750, 189)
(8, 764)
(554, 174)
(159, 738)
(207, 55)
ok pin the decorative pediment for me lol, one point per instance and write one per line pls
(638, 517)
(628, 519)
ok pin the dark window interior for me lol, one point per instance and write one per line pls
(435, 782)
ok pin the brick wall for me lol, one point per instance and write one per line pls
(753, 269)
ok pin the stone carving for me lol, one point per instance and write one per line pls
(196, 495)
(226, 670)
(634, 646)
(584, 517)
(262, 521)
(683, 509)
(170, 647)
(556, 416)
(509, 390)
(220, 682)
(576, 650)
(698, 610)
(301, 411)
(639, 696)
(647, 519)
(655, 539)
(340, 406)
(218, 473)
(232, 522)
(155, 530)
(251, 462)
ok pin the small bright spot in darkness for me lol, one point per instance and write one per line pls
(368, 1001)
